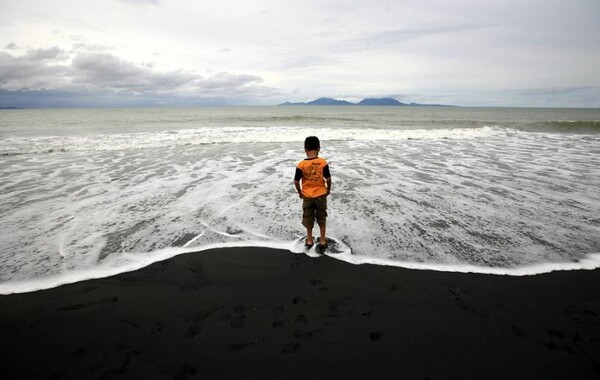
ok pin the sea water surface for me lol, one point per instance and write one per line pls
(92, 192)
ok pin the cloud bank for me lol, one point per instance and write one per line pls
(52, 72)
(502, 53)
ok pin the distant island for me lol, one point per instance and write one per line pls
(364, 102)
(320, 102)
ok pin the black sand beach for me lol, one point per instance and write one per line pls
(262, 313)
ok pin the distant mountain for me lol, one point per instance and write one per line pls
(364, 102)
(329, 102)
(320, 102)
(380, 102)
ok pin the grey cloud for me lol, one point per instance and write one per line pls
(30, 71)
(11, 46)
(43, 54)
(105, 71)
(94, 72)
(226, 85)
(70, 99)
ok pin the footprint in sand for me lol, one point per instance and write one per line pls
(277, 313)
(239, 308)
(301, 321)
(299, 300)
(290, 347)
(239, 320)
(189, 288)
(517, 331)
(196, 269)
(375, 336)
(300, 324)
(239, 346)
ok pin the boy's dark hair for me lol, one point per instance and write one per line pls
(312, 143)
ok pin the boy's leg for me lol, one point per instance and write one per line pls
(323, 238)
(309, 236)
(321, 216)
(308, 218)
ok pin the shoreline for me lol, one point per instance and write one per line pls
(590, 261)
(266, 313)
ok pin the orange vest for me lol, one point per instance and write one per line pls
(313, 183)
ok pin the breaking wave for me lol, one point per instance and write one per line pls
(220, 135)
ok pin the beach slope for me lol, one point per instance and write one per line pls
(263, 313)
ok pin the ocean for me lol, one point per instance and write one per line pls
(88, 193)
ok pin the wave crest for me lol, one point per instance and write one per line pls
(202, 136)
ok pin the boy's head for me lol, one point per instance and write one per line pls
(312, 143)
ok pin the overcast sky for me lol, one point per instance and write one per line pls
(152, 52)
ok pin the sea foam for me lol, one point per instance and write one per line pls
(129, 262)
(221, 135)
(483, 199)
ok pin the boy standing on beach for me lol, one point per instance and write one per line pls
(313, 171)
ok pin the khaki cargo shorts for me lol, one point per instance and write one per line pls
(314, 208)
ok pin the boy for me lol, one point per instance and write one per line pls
(314, 173)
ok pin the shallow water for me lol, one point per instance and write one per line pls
(86, 193)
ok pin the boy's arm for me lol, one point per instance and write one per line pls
(298, 189)
(297, 178)
(327, 176)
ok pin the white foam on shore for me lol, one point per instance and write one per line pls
(219, 135)
(588, 262)
(123, 263)
(130, 262)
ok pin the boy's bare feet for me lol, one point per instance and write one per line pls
(309, 238)
(321, 247)
(322, 243)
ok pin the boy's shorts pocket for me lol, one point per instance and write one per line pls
(321, 210)
(314, 208)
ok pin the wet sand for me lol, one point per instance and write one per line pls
(263, 313)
